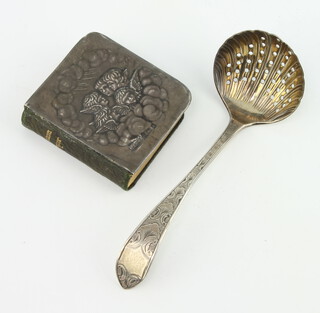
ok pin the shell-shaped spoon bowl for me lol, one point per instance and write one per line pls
(258, 77)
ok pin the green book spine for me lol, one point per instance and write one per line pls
(75, 147)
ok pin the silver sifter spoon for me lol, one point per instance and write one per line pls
(260, 81)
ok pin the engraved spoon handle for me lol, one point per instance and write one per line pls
(137, 254)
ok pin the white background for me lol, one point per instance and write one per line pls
(246, 238)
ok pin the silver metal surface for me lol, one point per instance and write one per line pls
(260, 80)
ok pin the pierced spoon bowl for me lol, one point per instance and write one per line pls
(260, 81)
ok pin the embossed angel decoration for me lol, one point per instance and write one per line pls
(124, 95)
(99, 106)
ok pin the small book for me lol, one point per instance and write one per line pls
(107, 107)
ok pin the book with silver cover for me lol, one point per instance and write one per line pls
(108, 108)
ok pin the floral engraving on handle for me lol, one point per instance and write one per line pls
(126, 279)
(150, 231)
(146, 238)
